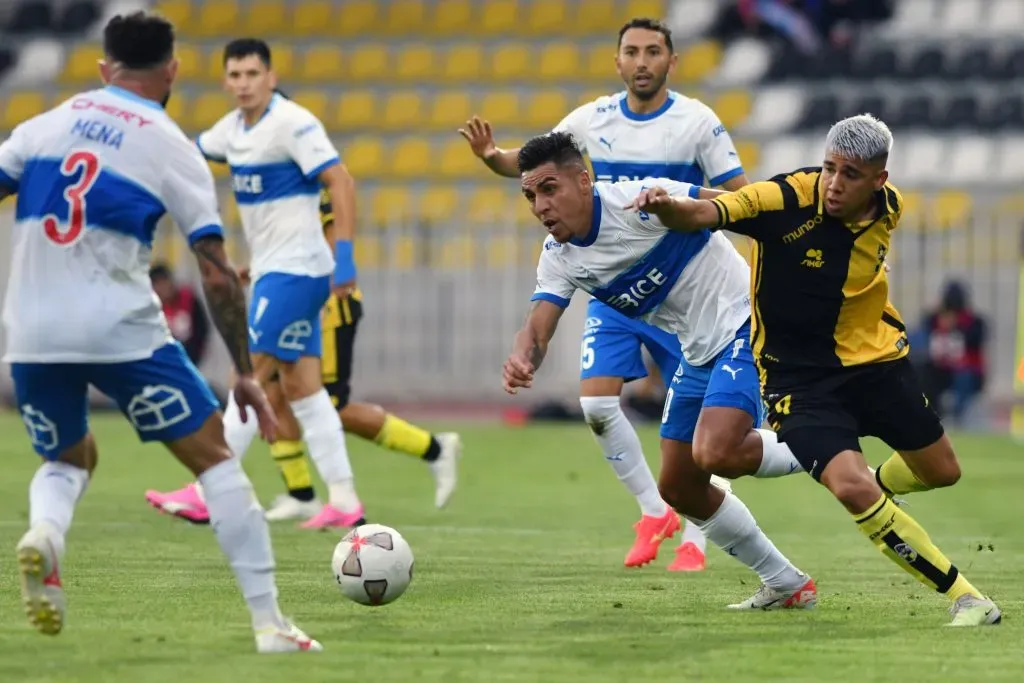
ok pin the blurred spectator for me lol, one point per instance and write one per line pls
(184, 312)
(952, 363)
(807, 25)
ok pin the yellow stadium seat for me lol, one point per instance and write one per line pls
(282, 60)
(588, 96)
(450, 110)
(600, 65)
(217, 18)
(359, 18)
(313, 100)
(501, 108)
(214, 66)
(545, 18)
(190, 62)
(951, 209)
(597, 18)
(698, 61)
(733, 107)
(391, 204)
(438, 204)
(21, 106)
(462, 64)
(750, 155)
(411, 158)
(178, 12)
(416, 63)
(403, 110)
(313, 18)
(63, 96)
(654, 9)
(559, 62)
(369, 62)
(457, 253)
(321, 64)
(367, 251)
(498, 17)
(503, 252)
(406, 17)
(264, 17)
(457, 161)
(452, 18)
(82, 64)
(913, 215)
(402, 253)
(364, 157)
(176, 106)
(511, 62)
(488, 204)
(206, 110)
(356, 109)
(545, 109)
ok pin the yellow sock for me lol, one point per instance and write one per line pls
(895, 477)
(291, 461)
(903, 541)
(399, 435)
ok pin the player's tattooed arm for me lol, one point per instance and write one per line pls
(226, 299)
(530, 345)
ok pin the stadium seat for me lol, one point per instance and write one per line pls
(316, 101)
(698, 61)
(175, 107)
(744, 61)
(878, 62)
(503, 252)
(77, 17)
(206, 110)
(545, 18)
(402, 253)
(487, 204)
(356, 110)
(20, 106)
(322, 63)
(282, 58)
(1006, 112)
(369, 62)
(962, 112)
(960, 17)
(951, 209)
(178, 12)
(438, 204)
(217, 18)
(511, 62)
(213, 71)
(820, 112)
(405, 17)
(1010, 165)
(315, 18)
(559, 62)
(921, 159)
(391, 204)
(928, 63)
(416, 63)
(501, 108)
(776, 108)
(1005, 16)
(498, 17)
(190, 62)
(973, 64)
(456, 253)
(403, 110)
(912, 210)
(30, 17)
(457, 161)
(1012, 65)
(914, 111)
(869, 104)
(7, 60)
(595, 18)
(452, 18)
(411, 158)
(910, 18)
(600, 64)
(971, 159)
(733, 107)
(545, 108)
(784, 153)
(591, 94)
(750, 155)
(449, 110)
(81, 64)
(357, 18)
(364, 157)
(462, 64)
(643, 8)
(368, 251)
(265, 17)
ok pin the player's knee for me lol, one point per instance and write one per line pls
(716, 452)
(856, 488)
(600, 412)
(945, 472)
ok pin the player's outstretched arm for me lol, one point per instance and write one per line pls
(341, 187)
(531, 345)
(226, 299)
(678, 213)
(478, 134)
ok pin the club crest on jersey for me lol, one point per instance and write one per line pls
(637, 292)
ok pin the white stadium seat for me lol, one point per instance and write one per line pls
(787, 153)
(1006, 17)
(745, 61)
(971, 160)
(911, 17)
(40, 61)
(919, 160)
(690, 18)
(775, 109)
(1010, 167)
(963, 17)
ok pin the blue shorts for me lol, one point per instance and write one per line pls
(163, 396)
(611, 345)
(284, 316)
(729, 381)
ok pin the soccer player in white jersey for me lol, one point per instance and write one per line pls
(692, 285)
(646, 131)
(92, 177)
(280, 155)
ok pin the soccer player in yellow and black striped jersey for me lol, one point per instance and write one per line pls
(339, 320)
(830, 347)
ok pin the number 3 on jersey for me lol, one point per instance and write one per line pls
(89, 165)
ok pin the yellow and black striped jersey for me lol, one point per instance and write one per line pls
(326, 219)
(820, 291)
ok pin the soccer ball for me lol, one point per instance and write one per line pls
(372, 565)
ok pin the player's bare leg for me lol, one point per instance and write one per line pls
(600, 398)
(727, 445)
(902, 539)
(727, 523)
(922, 470)
(53, 494)
(242, 532)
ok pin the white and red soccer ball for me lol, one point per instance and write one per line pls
(372, 565)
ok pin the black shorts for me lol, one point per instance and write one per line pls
(338, 322)
(820, 416)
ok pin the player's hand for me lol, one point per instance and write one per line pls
(653, 200)
(344, 291)
(481, 140)
(249, 394)
(517, 373)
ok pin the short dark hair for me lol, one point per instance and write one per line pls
(244, 47)
(650, 25)
(139, 40)
(558, 148)
(160, 271)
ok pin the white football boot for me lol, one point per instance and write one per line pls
(282, 640)
(969, 610)
(39, 552)
(286, 508)
(767, 598)
(445, 468)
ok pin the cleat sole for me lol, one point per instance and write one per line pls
(42, 614)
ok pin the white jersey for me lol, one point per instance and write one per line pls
(683, 140)
(695, 285)
(93, 176)
(274, 168)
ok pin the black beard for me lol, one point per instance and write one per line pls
(165, 100)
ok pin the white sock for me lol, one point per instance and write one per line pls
(693, 534)
(53, 494)
(621, 447)
(776, 459)
(238, 434)
(733, 529)
(322, 432)
(238, 523)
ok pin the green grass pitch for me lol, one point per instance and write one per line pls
(519, 580)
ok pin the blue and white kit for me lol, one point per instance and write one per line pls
(275, 167)
(93, 176)
(692, 285)
(683, 140)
